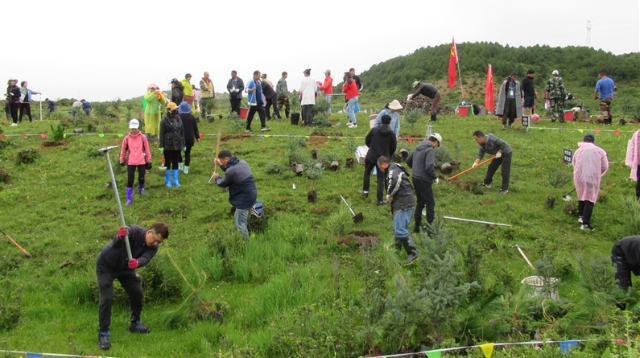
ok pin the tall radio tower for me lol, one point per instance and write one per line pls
(588, 33)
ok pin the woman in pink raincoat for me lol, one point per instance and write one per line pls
(590, 162)
(633, 149)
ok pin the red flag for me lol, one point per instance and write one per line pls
(489, 101)
(453, 60)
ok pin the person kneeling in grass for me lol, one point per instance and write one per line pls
(114, 263)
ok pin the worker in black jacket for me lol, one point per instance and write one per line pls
(381, 141)
(529, 92)
(430, 91)
(625, 255)
(272, 99)
(114, 263)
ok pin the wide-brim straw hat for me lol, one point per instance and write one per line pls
(395, 105)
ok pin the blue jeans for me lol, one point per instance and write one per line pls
(241, 217)
(401, 220)
(328, 98)
(351, 105)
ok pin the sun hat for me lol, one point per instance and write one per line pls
(327, 71)
(152, 85)
(437, 136)
(134, 124)
(395, 105)
(555, 72)
(184, 107)
(415, 83)
(172, 106)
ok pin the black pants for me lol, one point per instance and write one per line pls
(509, 111)
(172, 158)
(187, 155)
(235, 105)
(424, 196)
(366, 182)
(13, 108)
(25, 108)
(623, 269)
(131, 174)
(252, 112)
(505, 161)
(276, 112)
(585, 209)
(307, 114)
(131, 283)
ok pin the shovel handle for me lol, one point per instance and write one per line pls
(472, 168)
(525, 257)
(347, 204)
(16, 244)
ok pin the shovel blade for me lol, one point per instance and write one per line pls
(358, 218)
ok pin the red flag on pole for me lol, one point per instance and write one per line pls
(453, 60)
(489, 101)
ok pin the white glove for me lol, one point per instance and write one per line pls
(474, 165)
(389, 198)
(499, 154)
(436, 181)
(409, 97)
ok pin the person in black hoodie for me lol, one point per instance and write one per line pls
(381, 141)
(423, 164)
(625, 256)
(530, 93)
(191, 133)
(177, 91)
(113, 263)
(272, 98)
(171, 143)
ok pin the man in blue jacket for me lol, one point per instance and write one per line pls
(114, 263)
(242, 188)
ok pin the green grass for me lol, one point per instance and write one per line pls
(292, 290)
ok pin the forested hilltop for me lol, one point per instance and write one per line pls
(578, 66)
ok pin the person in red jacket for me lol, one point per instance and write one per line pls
(327, 88)
(135, 147)
(350, 89)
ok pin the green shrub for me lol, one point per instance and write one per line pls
(27, 156)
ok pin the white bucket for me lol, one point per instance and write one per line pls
(538, 283)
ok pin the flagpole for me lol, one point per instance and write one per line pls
(459, 73)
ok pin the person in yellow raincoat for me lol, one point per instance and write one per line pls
(188, 92)
(155, 101)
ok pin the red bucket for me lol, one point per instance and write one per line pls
(243, 113)
(463, 111)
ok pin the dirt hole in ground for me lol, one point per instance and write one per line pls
(359, 238)
(317, 139)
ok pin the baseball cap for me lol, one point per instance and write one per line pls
(172, 106)
(555, 72)
(437, 136)
(134, 124)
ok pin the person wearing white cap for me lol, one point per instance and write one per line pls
(554, 91)
(423, 173)
(391, 109)
(135, 153)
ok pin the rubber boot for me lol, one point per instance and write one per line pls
(433, 118)
(186, 169)
(398, 244)
(180, 166)
(412, 253)
(176, 172)
(141, 189)
(129, 196)
(167, 179)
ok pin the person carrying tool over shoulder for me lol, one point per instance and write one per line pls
(400, 194)
(113, 263)
(493, 145)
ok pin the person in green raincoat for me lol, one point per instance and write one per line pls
(188, 92)
(153, 101)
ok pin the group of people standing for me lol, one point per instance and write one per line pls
(18, 101)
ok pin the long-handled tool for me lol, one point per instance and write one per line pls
(215, 166)
(357, 218)
(16, 244)
(475, 221)
(524, 256)
(106, 150)
(567, 197)
(472, 168)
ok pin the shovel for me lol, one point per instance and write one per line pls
(472, 168)
(524, 256)
(356, 218)
(567, 197)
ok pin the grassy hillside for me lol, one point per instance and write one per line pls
(308, 284)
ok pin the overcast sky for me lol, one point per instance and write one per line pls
(102, 50)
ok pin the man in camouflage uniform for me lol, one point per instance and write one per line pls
(283, 94)
(554, 91)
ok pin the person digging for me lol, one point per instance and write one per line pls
(113, 263)
(400, 195)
